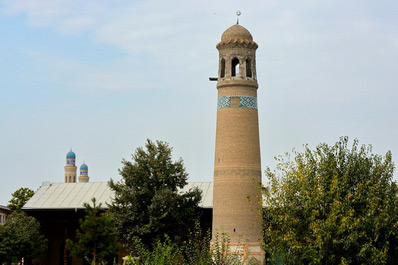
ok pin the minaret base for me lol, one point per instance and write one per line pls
(247, 252)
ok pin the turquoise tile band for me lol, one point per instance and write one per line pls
(245, 101)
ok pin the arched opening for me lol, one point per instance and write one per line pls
(235, 67)
(248, 68)
(222, 68)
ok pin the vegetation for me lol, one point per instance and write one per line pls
(148, 203)
(333, 205)
(96, 238)
(197, 248)
(19, 198)
(195, 251)
(20, 239)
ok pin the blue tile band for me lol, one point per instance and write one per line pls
(245, 101)
(248, 102)
(223, 102)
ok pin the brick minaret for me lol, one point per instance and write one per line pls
(70, 168)
(84, 173)
(237, 169)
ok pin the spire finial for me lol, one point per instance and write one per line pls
(237, 19)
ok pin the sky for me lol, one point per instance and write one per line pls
(102, 76)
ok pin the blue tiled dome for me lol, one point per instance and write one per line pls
(70, 154)
(83, 167)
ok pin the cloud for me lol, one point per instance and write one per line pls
(40, 12)
(160, 40)
(65, 16)
(310, 51)
(88, 78)
(302, 43)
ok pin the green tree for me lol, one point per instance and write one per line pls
(148, 202)
(20, 238)
(96, 238)
(19, 198)
(333, 205)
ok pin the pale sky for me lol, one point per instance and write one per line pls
(102, 76)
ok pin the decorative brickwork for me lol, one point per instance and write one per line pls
(236, 172)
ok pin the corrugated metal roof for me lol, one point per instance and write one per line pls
(57, 196)
(207, 192)
(4, 208)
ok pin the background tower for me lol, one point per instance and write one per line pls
(70, 168)
(83, 173)
(237, 169)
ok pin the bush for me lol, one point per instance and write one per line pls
(196, 251)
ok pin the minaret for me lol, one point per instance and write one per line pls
(70, 168)
(237, 170)
(83, 173)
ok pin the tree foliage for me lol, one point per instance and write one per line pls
(333, 205)
(197, 250)
(96, 238)
(147, 202)
(20, 238)
(19, 198)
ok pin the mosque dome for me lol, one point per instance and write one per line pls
(70, 154)
(236, 32)
(83, 167)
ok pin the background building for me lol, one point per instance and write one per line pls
(4, 212)
(59, 206)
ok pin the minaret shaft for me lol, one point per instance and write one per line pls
(237, 172)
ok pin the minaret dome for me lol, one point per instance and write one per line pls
(236, 32)
(83, 167)
(70, 157)
(71, 154)
(83, 173)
